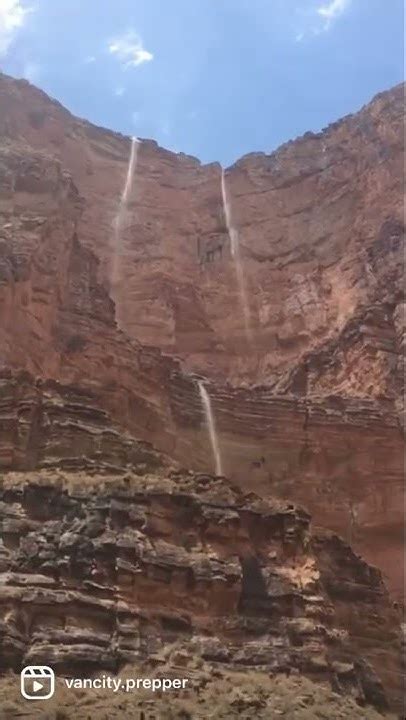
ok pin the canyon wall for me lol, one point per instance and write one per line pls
(111, 555)
(310, 409)
(320, 228)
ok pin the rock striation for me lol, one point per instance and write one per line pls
(99, 572)
(291, 447)
(110, 553)
(323, 380)
(113, 551)
(320, 224)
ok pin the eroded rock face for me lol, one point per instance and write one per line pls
(46, 425)
(286, 438)
(98, 573)
(110, 554)
(320, 228)
(342, 458)
(309, 411)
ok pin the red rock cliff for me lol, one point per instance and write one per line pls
(110, 555)
(309, 409)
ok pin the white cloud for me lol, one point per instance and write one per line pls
(319, 18)
(12, 17)
(119, 91)
(135, 116)
(89, 59)
(332, 10)
(128, 48)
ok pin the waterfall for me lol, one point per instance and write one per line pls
(211, 426)
(130, 172)
(119, 219)
(235, 253)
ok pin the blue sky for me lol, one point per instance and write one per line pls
(212, 78)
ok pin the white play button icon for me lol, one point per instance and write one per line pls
(37, 682)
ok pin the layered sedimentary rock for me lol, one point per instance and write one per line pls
(342, 459)
(46, 425)
(110, 554)
(341, 455)
(320, 228)
(98, 573)
(309, 411)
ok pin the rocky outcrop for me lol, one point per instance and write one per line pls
(109, 554)
(45, 425)
(97, 573)
(341, 458)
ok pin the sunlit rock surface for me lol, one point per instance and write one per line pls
(320, 229)
(102, 346)
(320, 226)
(110, 553)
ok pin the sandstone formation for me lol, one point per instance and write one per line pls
(112, 550)
(97, 574)
(341, 458)
(100, 570)
(110, 554)
(320, 225)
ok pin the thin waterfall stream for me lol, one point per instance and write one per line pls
(211, 426)
(119, 220)
(235, 253)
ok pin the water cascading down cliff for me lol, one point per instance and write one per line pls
(211, 427)
(235, 253)
(121, 216)
(119, 225)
